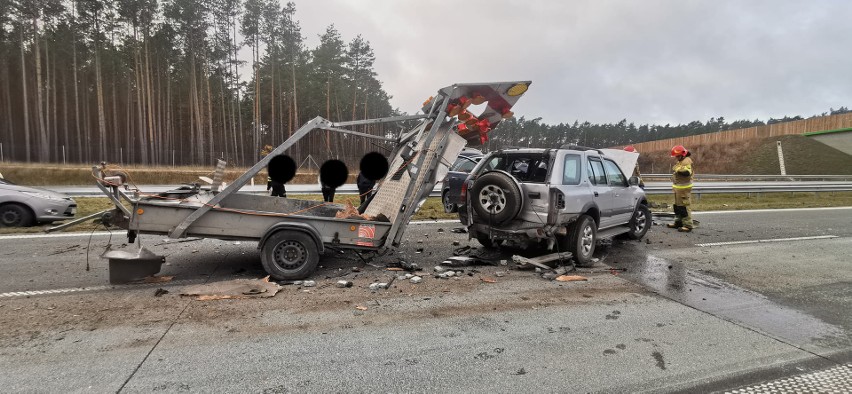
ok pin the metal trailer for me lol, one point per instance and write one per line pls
(292, 234)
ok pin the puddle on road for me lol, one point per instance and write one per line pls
(735, 304)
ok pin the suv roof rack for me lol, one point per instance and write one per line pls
(579, 147)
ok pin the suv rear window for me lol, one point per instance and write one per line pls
(525, 167)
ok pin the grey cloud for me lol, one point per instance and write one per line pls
(602, 61)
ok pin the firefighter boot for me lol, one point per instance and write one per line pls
(678, 223)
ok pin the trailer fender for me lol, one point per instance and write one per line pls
(305, 228)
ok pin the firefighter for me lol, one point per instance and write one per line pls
(682, 173)
(630, 148)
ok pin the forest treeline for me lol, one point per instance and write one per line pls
(534, 133)
(164, 82)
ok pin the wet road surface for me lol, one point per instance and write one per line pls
(682, 317)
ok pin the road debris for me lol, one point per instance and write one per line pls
(361, 307)
(459, 230)
(309, 283)
(488, 280)
(415, 280)
(343, 284)
(541, 260)
(464, 261)
(156, 279)
(571, 278)
(233, 289)
(160, 292)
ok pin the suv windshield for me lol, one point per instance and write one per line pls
(525, 167)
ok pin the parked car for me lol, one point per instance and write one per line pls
(451, 186)
(22, 206)
(563, 199)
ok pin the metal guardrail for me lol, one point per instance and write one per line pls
(650, 188)
(740, 177)
(752, 187)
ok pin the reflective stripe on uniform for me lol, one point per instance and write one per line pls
(682, 186)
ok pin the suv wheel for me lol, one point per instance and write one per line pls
(640, 222)
(580, 240)
(496, 197)
(449, 207)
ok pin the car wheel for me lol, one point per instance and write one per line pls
(580, 241)
(496, 197)
(16, 215)
(640, 222)
(289, 255)
(449, 207)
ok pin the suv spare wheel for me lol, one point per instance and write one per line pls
(496, 197)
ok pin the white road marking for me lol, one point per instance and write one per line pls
(777, 210)
(27, 293)
(58, 235)
(758, 241)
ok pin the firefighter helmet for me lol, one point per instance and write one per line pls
(630, 148)
(679, 150)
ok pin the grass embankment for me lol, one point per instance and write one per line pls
(802, 156)
(433, 209)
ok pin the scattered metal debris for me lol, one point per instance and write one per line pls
(539, 261)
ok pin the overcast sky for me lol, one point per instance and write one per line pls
(603, 61)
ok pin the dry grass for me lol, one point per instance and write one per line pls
(740, 201)
(35, 174)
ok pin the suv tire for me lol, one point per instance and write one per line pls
(640, 222)
(580, 241)
(496, 197)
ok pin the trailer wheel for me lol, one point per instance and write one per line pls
(289, 255)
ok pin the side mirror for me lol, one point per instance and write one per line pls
(633, 181)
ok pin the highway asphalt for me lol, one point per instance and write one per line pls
(747, 297)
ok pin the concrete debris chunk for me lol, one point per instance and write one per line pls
(374, 286)
(439, 269)
(499, 274)
(415, 280)
(309, 283)
(343, 284)
(409, 266)
(384, 285)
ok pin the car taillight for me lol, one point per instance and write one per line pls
(560, 200)
(463, 194)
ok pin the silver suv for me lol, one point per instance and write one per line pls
(563, 199)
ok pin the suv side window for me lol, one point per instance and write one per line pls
(597, 176)
(571, 170)
(613, 173)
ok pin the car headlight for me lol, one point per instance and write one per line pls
(43, 196)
